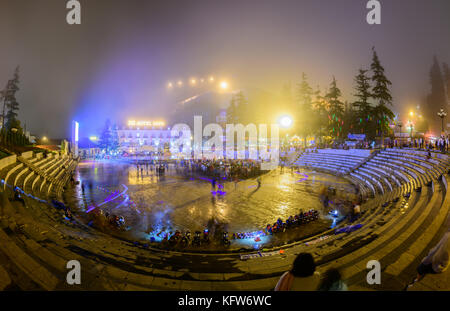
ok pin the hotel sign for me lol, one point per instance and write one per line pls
(134, 123)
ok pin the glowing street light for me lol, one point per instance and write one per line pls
(93, 138)
(180, 83)
(411, 113)
(44, 139)
(411, 127)
(224, 85)
(211, 79)
(193, 81)
(169, 85)
(285, 122)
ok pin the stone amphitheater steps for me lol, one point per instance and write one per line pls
(435, 170)
(119, 264)
(388, 246)
(386, 183)
(374, 178)
(385, 221)
(12, 172)
(418, 171)
(394, 181)
(322, 254)
(436, 221)
(95, 246)
(374, 207)
(363, 235)
(364, 180)
(407, 176)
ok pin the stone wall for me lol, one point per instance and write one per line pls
(27, 155)
(7, 161)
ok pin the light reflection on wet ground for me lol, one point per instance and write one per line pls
(177, 202)
(182, 203)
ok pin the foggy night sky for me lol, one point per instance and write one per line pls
(117, 63)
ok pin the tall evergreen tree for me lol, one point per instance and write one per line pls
(109, 138)
(382, 96)
(10, 104)
(232, 115)
(446, 70)
(348, 117)
(319, 106)
(115, 138)
(243, 112)
(437, 98)
(303, 116)
(361, 107)
(335, 111)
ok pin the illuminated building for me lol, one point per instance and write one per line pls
(144, 137)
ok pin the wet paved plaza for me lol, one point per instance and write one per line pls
(150, 203)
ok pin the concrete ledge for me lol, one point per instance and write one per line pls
(5, 280)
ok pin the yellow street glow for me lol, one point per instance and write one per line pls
(170, 85)
(223, 85)
(211, 79)
(285, 122)
(180, 83)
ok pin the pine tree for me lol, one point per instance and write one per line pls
(336, 110)
(304, 112)
(10, 104)
(361, 107)
(115, 138)
(319, 106)
(242, 111)
(348, 117)
(446, 70)
(232, 112)
(382, 96)
(106, 137)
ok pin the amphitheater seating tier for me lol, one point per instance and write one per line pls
(394, 220)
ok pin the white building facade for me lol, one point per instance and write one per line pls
(144, 137)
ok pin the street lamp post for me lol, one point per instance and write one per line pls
(411, 126)
(400, 125)
(442, 114)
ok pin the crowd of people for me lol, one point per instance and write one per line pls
(292, 221)
(159, 166)
(227, 169)
(440, 144)
(184, 239)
